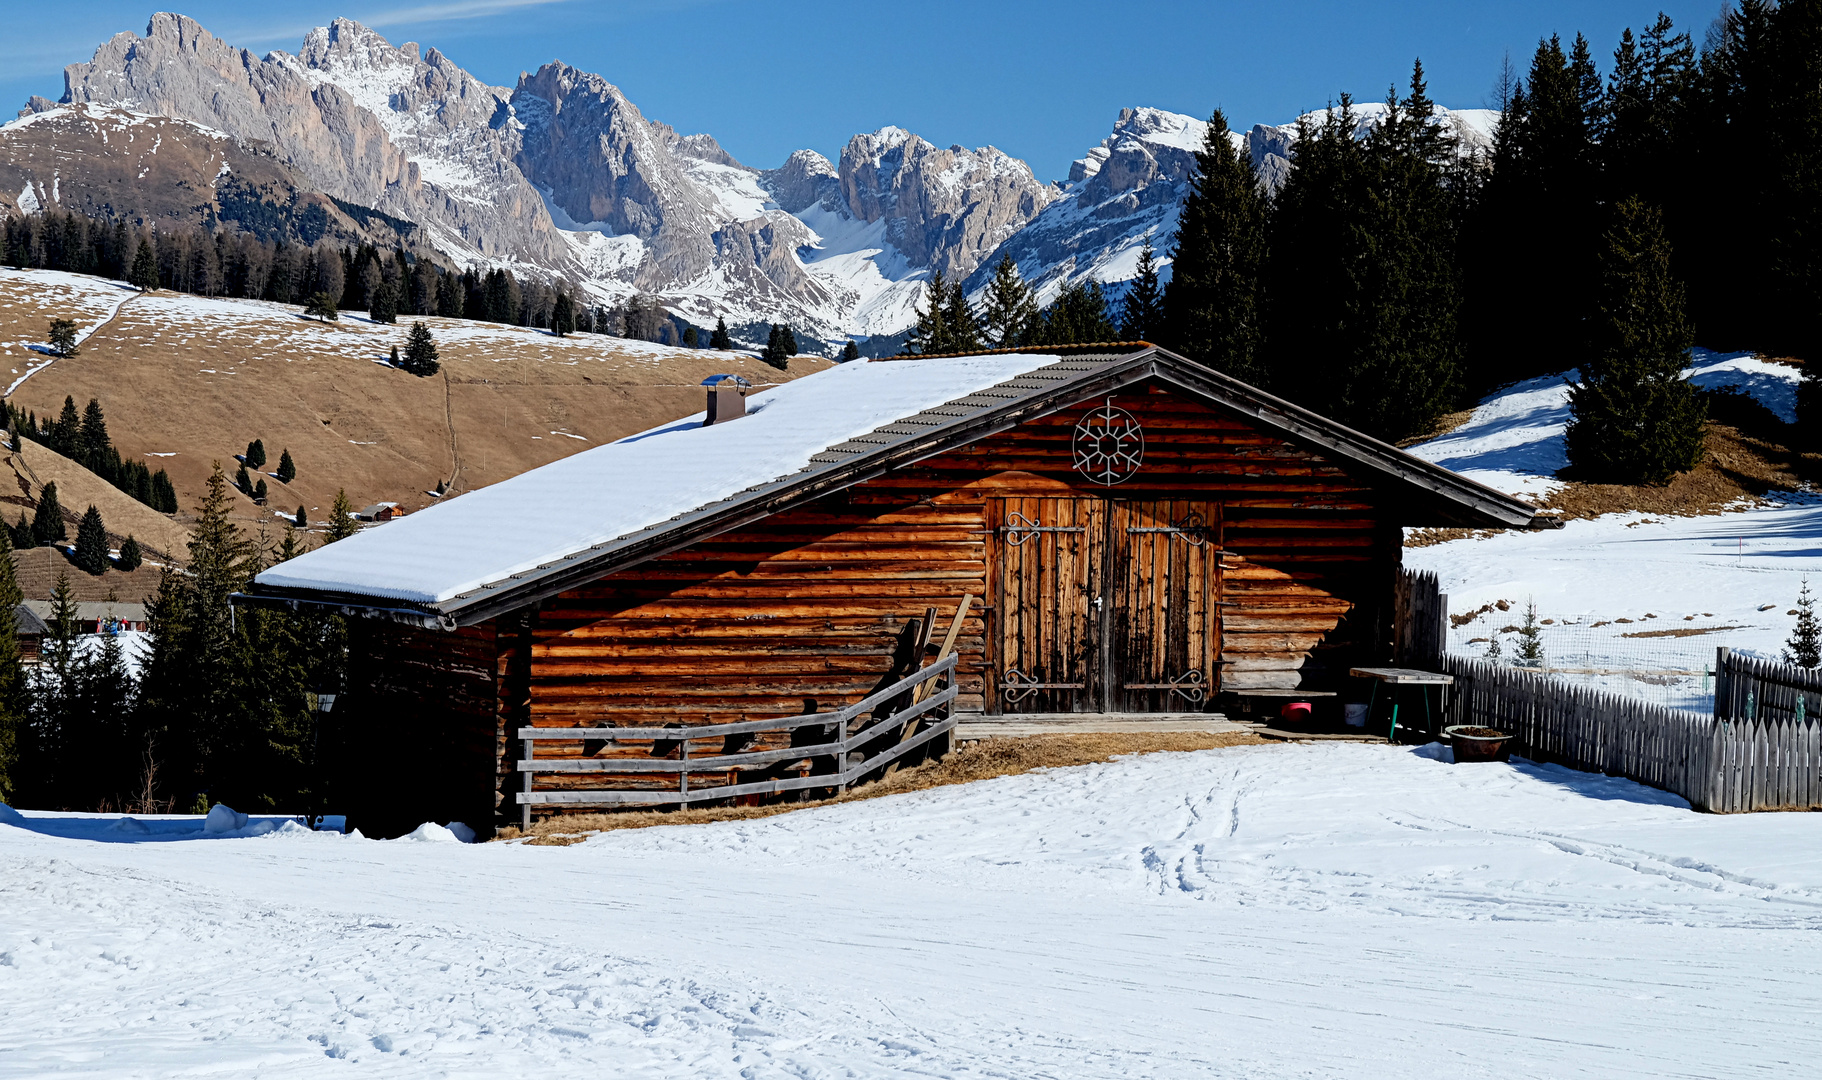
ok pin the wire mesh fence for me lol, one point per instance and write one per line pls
(1670, 666)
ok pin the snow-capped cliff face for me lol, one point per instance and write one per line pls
(412, 135)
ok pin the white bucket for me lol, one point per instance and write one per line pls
(1356, 715)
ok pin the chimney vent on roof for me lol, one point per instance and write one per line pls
(727, 398)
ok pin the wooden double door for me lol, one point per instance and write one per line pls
(1106, 605)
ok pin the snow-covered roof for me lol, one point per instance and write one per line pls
(551, 529)
(609, 492)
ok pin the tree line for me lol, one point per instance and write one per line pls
(83, 438)
(1618, 218)
(224, 707)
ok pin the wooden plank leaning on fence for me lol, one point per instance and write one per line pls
(923, 690)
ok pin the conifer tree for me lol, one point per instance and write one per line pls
(341, 519)
(47, 521)
(776, 352)
(384, 307)
(689, 337)
(1212, 304)
(563, 315)
(256, 454)
(62, 337)
(93, 447)
(964, 326)
(144, 275)
(850, 352)
(12, 679)
(22, 536)
(930, 336)
(302, 520)
(260, 491)
(1141, 313)
(1634, 418)
(1078, 316)
(52, 729)
(1804, 648)
(1530, 648)
(131, 558)
(287, 469)
(420, 351)
(718, 338)
(242, 482)
(66, 433)
(322, 307)
(788, 339)
(91, 554)
(1008, 309)
(394, 359)
(164, 495)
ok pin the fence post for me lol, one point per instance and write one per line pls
(525, 786)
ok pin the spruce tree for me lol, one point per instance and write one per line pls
(54, 739)
(420, 351)
(322, 306)
(1142, 311)
(144, 275)
(1008, 310)
(47, 521)
(23, 538)
(719, 339)
(776, 352)
(1634, 418)
(1530, 647)
(164, 494)
(242, 482)
(1212, 306)
(341, 519)
(287, 469)
(260, 491)
(850, 352)
(1804, 648)
(256, 454)
(689, 337)
(394, 359)
(66, 433)
(131, 558)
(12, 678)
(62, 337)
(1078, 316)
(1532, 251)
(930, 336)
(563, 316)
(384, 308)
(91, 554)
(302, 520)
(964, 326)
(93, 446)
(788, 339)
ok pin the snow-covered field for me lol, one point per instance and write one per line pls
(1301, 911)
(1633, 602)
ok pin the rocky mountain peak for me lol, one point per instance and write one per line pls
(946, 209)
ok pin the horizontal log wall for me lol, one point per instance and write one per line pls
(1309, 591)
(807, 605)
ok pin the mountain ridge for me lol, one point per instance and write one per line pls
(562, 176)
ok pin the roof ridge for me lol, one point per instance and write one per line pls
(1028, 350)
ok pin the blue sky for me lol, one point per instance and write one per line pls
(1042, 81)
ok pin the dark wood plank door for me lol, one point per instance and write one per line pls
(1050, 605)
(1164, 632)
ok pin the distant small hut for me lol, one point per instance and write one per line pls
(717, 612)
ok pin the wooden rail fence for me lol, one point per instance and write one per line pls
(851, 754)
(1767, 762)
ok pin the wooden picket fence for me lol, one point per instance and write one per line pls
(1770, 761)
(1420, 619)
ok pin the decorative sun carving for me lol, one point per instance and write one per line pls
(1109, 445)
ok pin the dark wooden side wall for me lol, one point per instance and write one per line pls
(805, 606)
(421, 726)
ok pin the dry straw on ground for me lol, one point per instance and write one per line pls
(981, 760)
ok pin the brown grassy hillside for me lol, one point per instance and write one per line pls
(186, 382)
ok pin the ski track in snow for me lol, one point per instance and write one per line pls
(1303, 911)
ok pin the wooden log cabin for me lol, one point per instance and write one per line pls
(1138, 534)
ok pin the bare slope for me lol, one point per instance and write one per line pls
(187, 381)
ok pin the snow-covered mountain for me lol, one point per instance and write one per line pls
(1129, 189)
(563, 176)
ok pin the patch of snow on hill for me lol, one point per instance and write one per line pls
(1514, 440)
(1268, 912)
